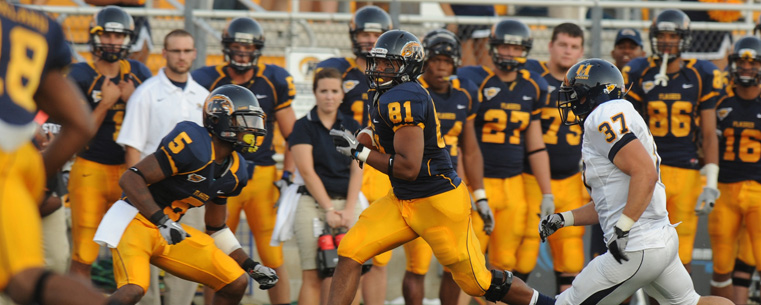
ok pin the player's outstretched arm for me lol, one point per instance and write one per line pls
(224, 239)
(61, 99)
(581, 216)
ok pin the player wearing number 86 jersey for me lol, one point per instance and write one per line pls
(107, 82)
(671, 94)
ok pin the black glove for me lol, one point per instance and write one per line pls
(617, 245)
(265, 276)
(282, 184)
(550, 224)
(172, 232)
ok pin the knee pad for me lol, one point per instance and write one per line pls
(501, 280)
(741, 282)
(741, 266)
(39, 287)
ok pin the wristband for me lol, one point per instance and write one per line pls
(567, 218)
(137, 171)
(363, 153)
(225, 240)
(286, 176)
(479, 194)
(712, 174)
(535, 151)
(625, 223)
(157, 218)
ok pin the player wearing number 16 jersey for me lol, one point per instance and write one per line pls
(671, 94)
(107, 82)
(508, 129)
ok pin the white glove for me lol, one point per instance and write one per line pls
(265, 276)
(172, 232)
(548, 205)
(347, 145)
(482, 207)
(706, 201)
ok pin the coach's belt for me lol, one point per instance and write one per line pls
(333, 195)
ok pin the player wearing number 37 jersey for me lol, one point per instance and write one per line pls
(621, 166)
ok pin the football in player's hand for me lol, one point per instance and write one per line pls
(365, 136)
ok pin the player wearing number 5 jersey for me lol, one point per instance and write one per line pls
(672, 94)
(107, 82)
(621, 166)
(193, 166)
(508, 129)
(739, 124)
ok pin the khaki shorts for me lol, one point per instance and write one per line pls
(306, 229)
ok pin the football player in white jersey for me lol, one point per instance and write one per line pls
(621, 172)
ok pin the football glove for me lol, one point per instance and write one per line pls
(172, 232)
(548, 205)
(282, 184)
(617, 245)
(706, 201)
(265, 276)
(347, 145)
(550, 224)
(482, 207)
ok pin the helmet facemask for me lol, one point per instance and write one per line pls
(745, 77)
(231, 54)
(572, 109)
(403, 62)
(243, 127)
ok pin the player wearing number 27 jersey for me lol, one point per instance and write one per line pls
(671, 95)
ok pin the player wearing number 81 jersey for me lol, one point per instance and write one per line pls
(671, 94)
(107, 82)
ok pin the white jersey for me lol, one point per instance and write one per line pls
(607, 129)
(156, 107)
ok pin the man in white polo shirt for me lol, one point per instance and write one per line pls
(156, 106)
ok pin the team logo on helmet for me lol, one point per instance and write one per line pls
(747, 54)
(412, 49)
(583, 71)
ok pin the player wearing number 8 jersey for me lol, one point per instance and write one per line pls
(739, 124)
(33, 56)
(107, 83)
(671, 94)
(508, 129)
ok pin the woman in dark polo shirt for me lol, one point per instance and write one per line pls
(332, 181)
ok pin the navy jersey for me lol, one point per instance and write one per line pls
(672, 111)
(355, 85)
(739, 123)
(453, 109)
(563, 142)
(186, 156)
(103, 148)
(32, 44)
(409, 104)
(503, 117)
(273, 87)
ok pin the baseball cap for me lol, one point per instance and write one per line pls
(630, 34)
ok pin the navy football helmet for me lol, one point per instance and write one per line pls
(670, 21)
(588, 84)
(367, 19)
(232, 113)
(404, 55)
(111, 19)
(442, 42)
(511, 32)
(245, 31)
(746, 49)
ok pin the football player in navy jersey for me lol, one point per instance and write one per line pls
(456, 103)
(564, 147)
(107, 82)
(739, 123)
(367, 24)
(508, 129)
(673, 95)
(428, 199)
(243, 41)
(193, 166)
(33, 56)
